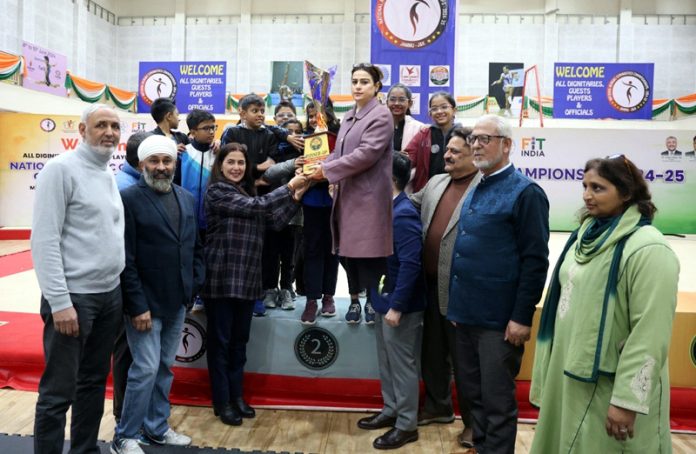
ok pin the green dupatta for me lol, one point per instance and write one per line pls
(602, 241)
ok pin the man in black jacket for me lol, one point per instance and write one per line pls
(164, 270)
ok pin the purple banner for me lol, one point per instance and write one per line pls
(45, 69)
(191, 85)
(603, 90)
(413, 43)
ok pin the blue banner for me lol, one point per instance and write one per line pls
(191, 85)
(413, 43)
(603, 90)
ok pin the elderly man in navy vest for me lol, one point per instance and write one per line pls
(498, 272)
(164, 270)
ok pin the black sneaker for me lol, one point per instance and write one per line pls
(354, 314)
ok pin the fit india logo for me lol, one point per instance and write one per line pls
(628, 91)
(157, 83)
(411, 24)
(532, 147)
(192, 343)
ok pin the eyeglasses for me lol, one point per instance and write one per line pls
(362, 65)
(442, 108)
(207, 128)
(400, 100)
(483, 139)
(625, 161)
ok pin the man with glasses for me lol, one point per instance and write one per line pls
(499, 266)
(440, 204)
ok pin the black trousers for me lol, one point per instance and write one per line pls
(122, 361)
(278, 257)
(229, 323)
(488, 369)
(75, 373)
(320, 264)
(437, 354)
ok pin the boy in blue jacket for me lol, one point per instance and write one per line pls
(399, 306)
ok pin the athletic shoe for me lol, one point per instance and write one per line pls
(354, 314)
(126, 446)
(259, 309)
(285, 300)
(369, 314)
(309, 316)
(293, 294)
(170, 438)
(271, 298)
(328, 307)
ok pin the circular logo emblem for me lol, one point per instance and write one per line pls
(411, 24)
(628, 91)
(47, 125)
(315, 144)
(158, 83)
(192, 343)
(439, 75)
(316, 348)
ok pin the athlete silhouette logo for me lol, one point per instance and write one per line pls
(628, 90)
(414, 13)
(185, 338)
(160, 82)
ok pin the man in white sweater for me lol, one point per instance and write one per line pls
(77, 246)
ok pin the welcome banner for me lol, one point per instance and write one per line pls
(555, 158)
(603, 90)
(413, 42)
(192, 85)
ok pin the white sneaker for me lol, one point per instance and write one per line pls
(286, 302)
(172, 438)
(126, 446)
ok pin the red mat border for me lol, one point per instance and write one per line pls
(15, 263)
(15, 234)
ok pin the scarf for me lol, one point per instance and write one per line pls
(601, 241)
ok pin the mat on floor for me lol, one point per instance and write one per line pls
(17, 444)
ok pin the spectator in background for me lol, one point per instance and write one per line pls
(399, 102)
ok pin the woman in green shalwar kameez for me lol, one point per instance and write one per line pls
(600, 372)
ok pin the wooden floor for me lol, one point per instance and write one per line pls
(280, 430)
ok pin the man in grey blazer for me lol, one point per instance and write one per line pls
(440, 203)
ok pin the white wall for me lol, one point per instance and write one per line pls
(249, 35)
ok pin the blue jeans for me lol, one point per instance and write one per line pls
(146, 404)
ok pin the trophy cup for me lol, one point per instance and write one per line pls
(317, 144)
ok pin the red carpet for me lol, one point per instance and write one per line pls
(15, 263)
(21, 365)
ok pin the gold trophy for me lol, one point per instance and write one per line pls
(317, 144)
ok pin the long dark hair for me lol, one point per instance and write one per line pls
(623, 173)
(247, 183)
